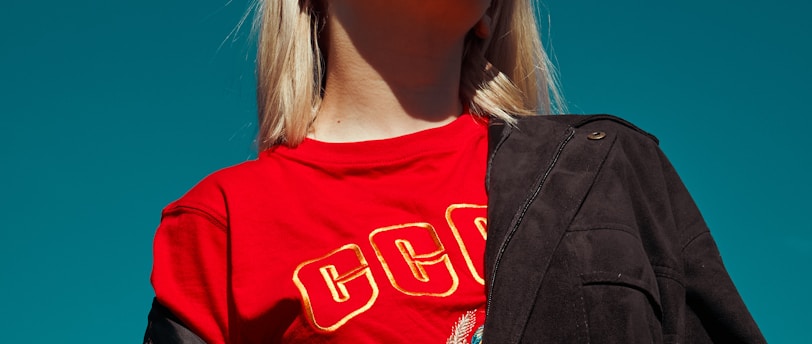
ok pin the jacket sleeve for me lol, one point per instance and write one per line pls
(715, 311)
(163, 327)
(699, 300)
(189, 275)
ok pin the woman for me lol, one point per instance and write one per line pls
(391, 134)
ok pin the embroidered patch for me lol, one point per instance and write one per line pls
(477, 337)
(463, 329)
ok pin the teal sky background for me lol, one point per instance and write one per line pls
(112, 109)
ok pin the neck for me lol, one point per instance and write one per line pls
(383, 80)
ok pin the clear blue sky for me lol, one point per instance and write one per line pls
(112, 109)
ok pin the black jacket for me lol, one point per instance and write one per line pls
(592, 238)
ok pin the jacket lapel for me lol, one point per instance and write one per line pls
(538, 175)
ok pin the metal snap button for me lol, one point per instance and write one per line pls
(596, 135)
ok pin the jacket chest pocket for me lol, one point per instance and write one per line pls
(620, 302)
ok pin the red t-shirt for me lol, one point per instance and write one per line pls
(367, 242)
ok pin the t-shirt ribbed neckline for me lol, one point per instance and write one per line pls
(428, 141)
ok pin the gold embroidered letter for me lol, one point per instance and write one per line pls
(414, 259)
(469, 224)
(336, 287)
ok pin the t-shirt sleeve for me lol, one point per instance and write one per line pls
(190, 268)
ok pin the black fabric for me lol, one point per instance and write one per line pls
(594, 239)
(163, 327)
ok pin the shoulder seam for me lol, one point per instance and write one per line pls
(593, 118)
(198, 209)
(578, 121)
(693, 239)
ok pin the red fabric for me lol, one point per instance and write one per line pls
(367, 242)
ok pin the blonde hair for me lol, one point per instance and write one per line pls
(505, 76)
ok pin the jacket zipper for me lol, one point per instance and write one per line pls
(522, 211)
